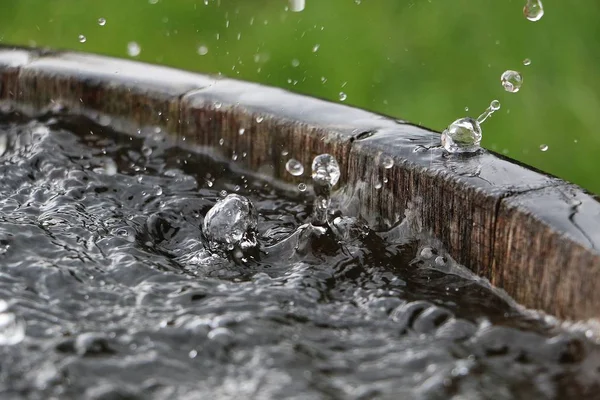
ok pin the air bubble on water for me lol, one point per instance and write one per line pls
(241, 131)
(526, 62)
(533, 10)
(12, 329)
(82, 39)
(202, 50)
(231, 223)
(511, 81)
(101, 21)
(343, 96)
(294, 167)
(302, 187)
(544, 147)
(297, 5)
(387, 162)
(133, 49)
(325, 170)
(462, 136)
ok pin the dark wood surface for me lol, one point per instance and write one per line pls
(533, 235)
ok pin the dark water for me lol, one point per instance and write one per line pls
(103, 258)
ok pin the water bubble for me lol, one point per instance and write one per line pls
(101, 21)
(387, 162)
(533, 10)
(232, 222)
(526, 62)
(302, 187)
(294, 167)
(325, 170)
(133, 49)
(297, 5)
(462, 136)
(343, 96)
(543, 147)
(12, 329)
(511, 81)
(82, 39)
(202, 50)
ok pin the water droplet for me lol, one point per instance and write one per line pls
(101, 21)
(427, 253)
(462, 136)
(533, 10)
(295, 63)
(82, 39)
(221, 142)
(527, 61)
(12, 329)
(316, 48)
(202, 50)
(494, 106)
(231, 222)
(241, 131)
(223, 193)
(146, 151)
(343, 96)
(378, 185)
(218, 104)
(302, 187)
(297, 5)
(193, 354)
(133, 49)
(544, 147)
(294, 167)
(325, 170)
(259, 119)
(439, 260)
(387, 162)
(511, 81)
(467, 109)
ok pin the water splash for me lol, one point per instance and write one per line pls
(464, 134)
(325, 175)
(231, 224)
(12, 329)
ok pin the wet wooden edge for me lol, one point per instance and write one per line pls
(533, 235)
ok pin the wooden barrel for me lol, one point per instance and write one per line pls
(533, 235)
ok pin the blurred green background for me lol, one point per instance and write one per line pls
(420, 60)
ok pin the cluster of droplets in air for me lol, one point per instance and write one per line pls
(464, 135)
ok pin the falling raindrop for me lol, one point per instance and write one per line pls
(544, 147)
(133, 49)
(316, 48)
(533, 10)
(202, 50)
(297, 5)
(82, 39)
(302, 187)
(101, 21)
(241, 131)
(294, 167)
(343, 96)
(494, 106)
(511, 81)
(526, 62)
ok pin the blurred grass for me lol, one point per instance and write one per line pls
(420, 60)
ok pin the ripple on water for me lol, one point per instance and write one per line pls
(121, 296)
